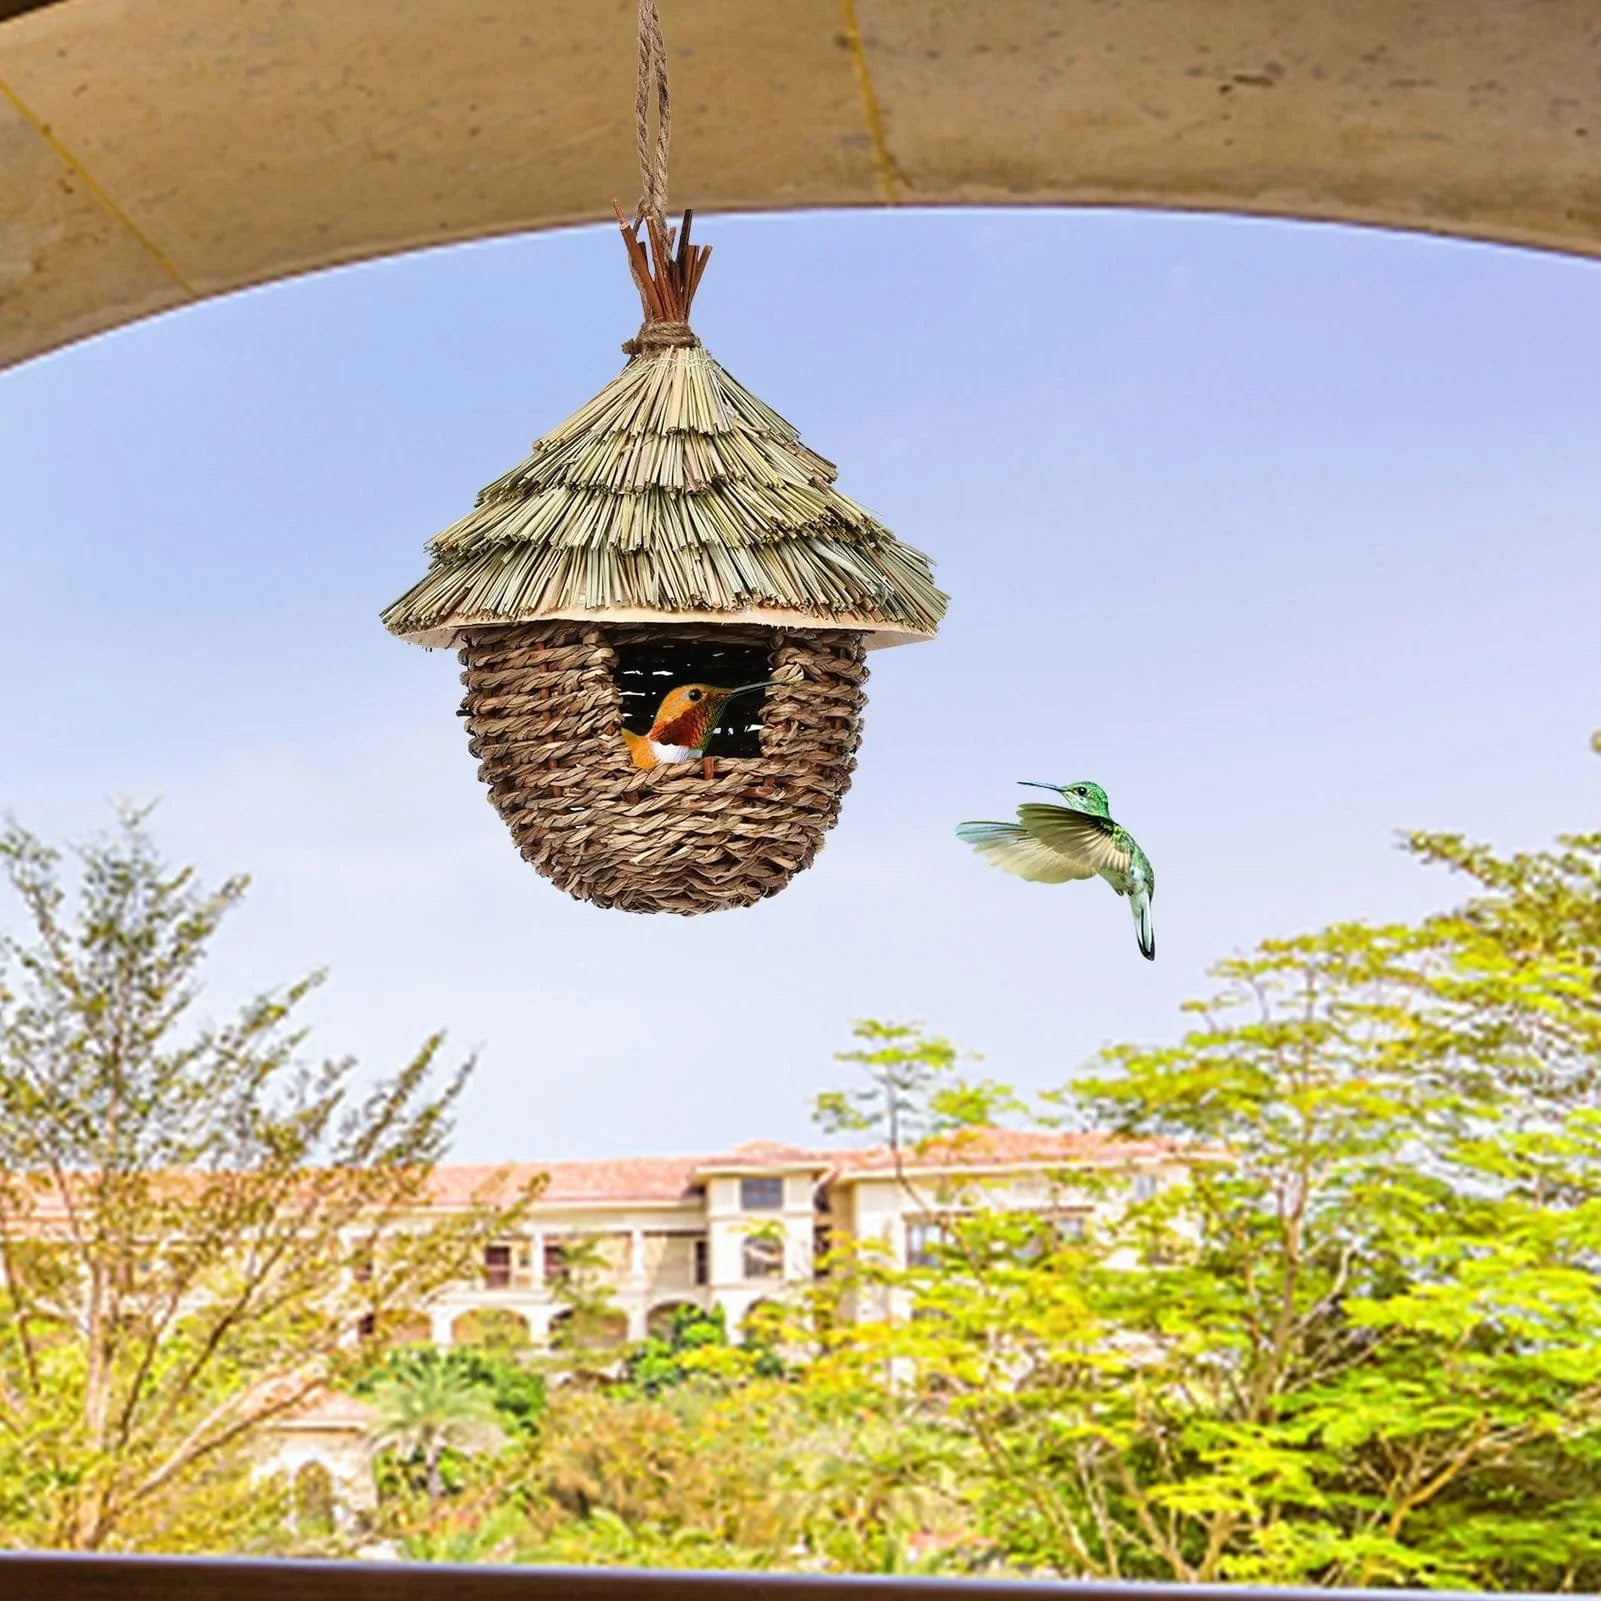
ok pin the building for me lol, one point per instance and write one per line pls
(729, 1231)
(733, 1230)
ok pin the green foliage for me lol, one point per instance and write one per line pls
(1357, 1339)
(496, 1332)
(475, 1528)
(767, 1326)
(601, 1539)
(668, 1359)
(428, 1411)
(588, 1332)
(454, 1447)
(913, 1092)
(514, 1391)
(193, 1219)
(1351, 1334)
(757, 1474)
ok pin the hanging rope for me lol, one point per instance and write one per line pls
(665, 276)
(652, 75)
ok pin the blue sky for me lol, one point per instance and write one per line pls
(1286, 534)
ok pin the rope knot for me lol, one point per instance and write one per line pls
(666, 268)
(656, 335)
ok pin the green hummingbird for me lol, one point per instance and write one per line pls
(1078, 839)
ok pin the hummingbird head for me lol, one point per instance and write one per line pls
(1082, 796)
(688, 714)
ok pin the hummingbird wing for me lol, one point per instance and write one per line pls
(1091, 844)
(1010, 848)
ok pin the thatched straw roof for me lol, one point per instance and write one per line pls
(674, 495)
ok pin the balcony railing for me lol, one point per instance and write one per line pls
(49, 1577)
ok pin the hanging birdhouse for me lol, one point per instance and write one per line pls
(662, 617)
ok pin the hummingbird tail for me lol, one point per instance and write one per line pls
(1144, 932)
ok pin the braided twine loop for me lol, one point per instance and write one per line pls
(544, 716)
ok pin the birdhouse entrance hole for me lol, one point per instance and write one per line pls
(645, 673)
(544, 705)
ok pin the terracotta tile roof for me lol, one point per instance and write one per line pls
(328, 1409)
(632, 1178)
(991, 1147)
(629, 1178)
(671, 1178)
(767, 1153)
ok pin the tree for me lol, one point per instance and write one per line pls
(914, 1093)
(497, 1331)
(430, 1409)
(194, 1221)
(516, 1393)
(456, 1442)
(586, 1334)
(694, 1342)
(1361, 1341)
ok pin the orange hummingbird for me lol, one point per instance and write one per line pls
(685, 722)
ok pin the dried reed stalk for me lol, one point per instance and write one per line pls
(676, 491)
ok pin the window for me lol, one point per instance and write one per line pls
(762, 1257)
(703, 1266)
(557, 1267)
(761, 1195)
(1145, 1186)
(1054, 1230)
(497, 1267)
(925, 1238)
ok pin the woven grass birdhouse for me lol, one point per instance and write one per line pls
(672, 535)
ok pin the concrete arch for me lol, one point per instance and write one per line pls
(760, 1322)
(660, 1319)
(589, 1329)
(314, 1500)
(333, 1469)
(154, 155)
(498, 1328)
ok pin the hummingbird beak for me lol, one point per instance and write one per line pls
(747, 689)
(1029, 783)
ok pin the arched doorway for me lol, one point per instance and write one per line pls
(313, 1500)
(762, 1324)
(588, 1329)
(665, 1318)
(495, 1330)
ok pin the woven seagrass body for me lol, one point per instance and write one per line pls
(543, 712)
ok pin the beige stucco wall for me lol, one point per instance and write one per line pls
(341, 1450)
(648, 1255)
(157, 151)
